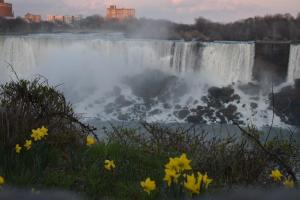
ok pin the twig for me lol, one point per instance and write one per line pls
(273, 156)
(13, 70)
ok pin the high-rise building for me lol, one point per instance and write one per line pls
(6, 9)
(112, 12)
(31, 18)
(67, 19)
(55, 18)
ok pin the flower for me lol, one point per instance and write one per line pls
(148, 185)
(172, 164)
(2, 180)
(171, 176)
(28, 144)
(44, 131)
(179, 163)
(18, 148)
(109, 164)
(276, 175)
(184, 163)
(90, 140)
(206, 180)
(192, 184)
(39, 134)
(289, 183)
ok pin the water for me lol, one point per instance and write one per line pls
(111, 77)
(294, 63)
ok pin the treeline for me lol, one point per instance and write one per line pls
(281, 27)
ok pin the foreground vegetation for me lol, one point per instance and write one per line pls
(44, 145)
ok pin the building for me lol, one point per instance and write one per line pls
(119, 13)
(55, 18)
(6, 9)
(31, 18)
(67, 19)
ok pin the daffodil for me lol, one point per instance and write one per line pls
(44, 131)
(90, 140)
(192, 184)
(184, 163)
(171, 175)
(179, 163)
(276, 175)
(18, 148)
(172, 164)
(289, 183)
(148, 185)
(28, 144)
(39, 134)
(109, 164)
(2, 180)
(206, 180)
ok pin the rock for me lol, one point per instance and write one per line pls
(182, 114)
(121, 101)
(253, 105)
(287, 104)
(155, 112)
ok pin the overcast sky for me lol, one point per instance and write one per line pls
(176, 10)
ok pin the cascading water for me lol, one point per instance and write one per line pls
(232, 62)
(294, 64)
(227, 62)
(118, 78)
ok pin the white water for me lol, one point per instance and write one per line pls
(90, 66)
(226, 62)
(294, 64)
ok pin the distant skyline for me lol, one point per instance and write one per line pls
(184, 11)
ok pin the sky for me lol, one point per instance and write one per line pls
(183, 11)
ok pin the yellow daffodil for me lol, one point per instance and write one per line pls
(171, 176)
(18, 148)
(172, 164)
(206, 180)
(148, 185)
(184, 163)
(44, 131)
(28, 144)
(109, 164)
(179, 163)
(289, 183)
(90, 140)
(39, 134)
(192, 184)
(2, 180)
(276, 175)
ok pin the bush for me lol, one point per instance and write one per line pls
(61, 160)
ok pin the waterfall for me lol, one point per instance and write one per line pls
(294, 64)
(17, 52)
(230, 62)
(224, 62)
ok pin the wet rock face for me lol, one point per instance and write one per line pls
(271, 62)
(218, 108)
(287, 104)
(156, 84)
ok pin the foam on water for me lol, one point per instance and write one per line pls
(90, 66)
